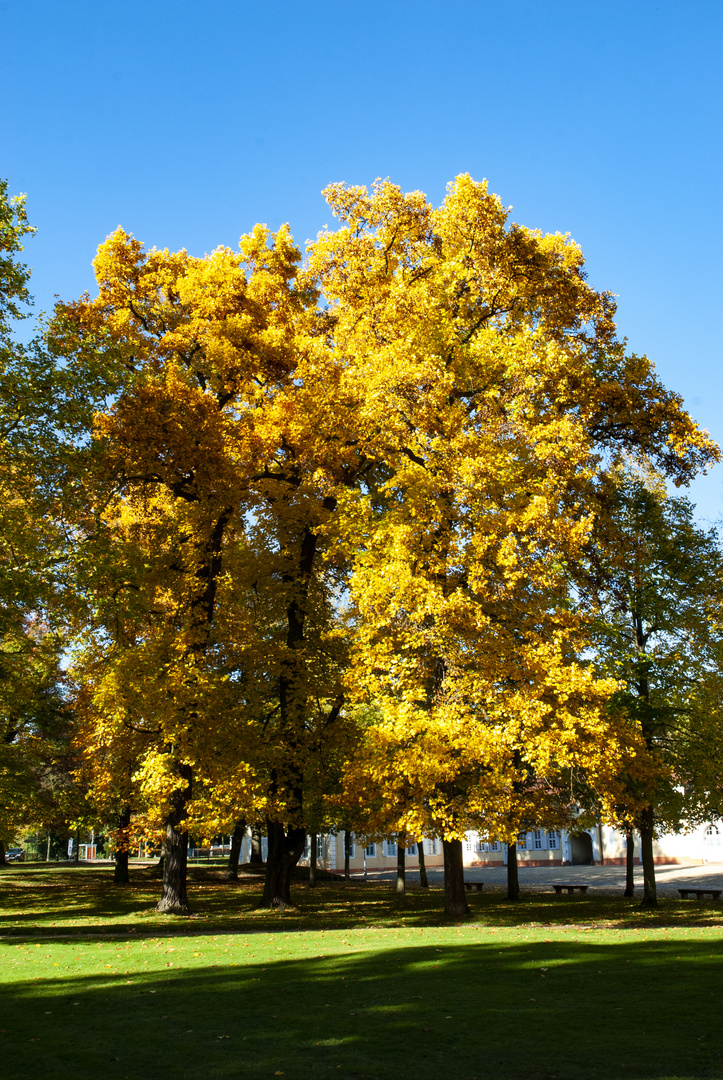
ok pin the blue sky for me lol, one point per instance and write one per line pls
(186, 123)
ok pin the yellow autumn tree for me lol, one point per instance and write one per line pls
(505, 396)
(350, 491)
(211, 626)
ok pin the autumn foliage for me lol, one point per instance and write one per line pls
(331, 525)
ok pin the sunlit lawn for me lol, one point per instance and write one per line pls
(354, 983)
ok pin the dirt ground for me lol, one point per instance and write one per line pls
(604, 879)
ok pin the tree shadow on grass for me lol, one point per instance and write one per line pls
(54, 900)
(27, 896)
(543, 1009)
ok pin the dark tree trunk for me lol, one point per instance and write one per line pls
(287, 845)
(76, 856)
(347, 854)
(285, 849)
(174, 898)
(236, 842)
(3, 860)
(401, 869)
(513, 878)
(647, 817)
(455, 901)
(650, 892)
(629, 865)
(312, 860)
(600, 845)
(423, 882)
(256, 856)
(120, 871)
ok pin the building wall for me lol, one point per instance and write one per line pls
(541, 847)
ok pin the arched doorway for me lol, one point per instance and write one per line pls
(581, 850)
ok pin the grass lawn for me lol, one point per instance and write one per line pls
(354, 984)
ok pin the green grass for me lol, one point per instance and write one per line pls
(355, 983)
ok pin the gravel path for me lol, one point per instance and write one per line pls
(604, 879)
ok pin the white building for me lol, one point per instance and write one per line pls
(541, 847)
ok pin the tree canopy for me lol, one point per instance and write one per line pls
(327, 524)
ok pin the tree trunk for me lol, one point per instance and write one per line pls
(629, 865)
(76, 856)
(455, 901)
(312, 860)
(650, 892)
(423, 882)
(174, 898)
(256, 856)
(285, 850)
(401, 869)
(513, 878)
(3, 860)
(236, 841)
(47, 849)
(286, 846)
(647, 817)
(120, 871)
(347, 854)
(287, 785)
(600, 845)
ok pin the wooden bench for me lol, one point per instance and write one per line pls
(570, 888)
(700, 893)
(478, 885)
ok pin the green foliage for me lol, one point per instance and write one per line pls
(658, 592)
(33, 712)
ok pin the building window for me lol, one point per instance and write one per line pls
(537, 839)
(488, 845)
(320, 847)
(371, 851)
(553, 839)
(522, 842)
(390, 847)
(431, 846)
(468, 842)
(412, 849)
(712, 836)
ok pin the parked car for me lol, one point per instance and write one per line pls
(15, 854)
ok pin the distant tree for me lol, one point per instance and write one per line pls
(34, 713)
(659, 596)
